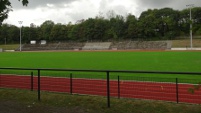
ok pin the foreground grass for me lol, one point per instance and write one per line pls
(54, 102)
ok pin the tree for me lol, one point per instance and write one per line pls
(132, 28)
(33, 33)
(28, 34)
(167, 22)
(45, 30)
(117, 27)
(196, 16)
(101, 26)
(10, 33)
(153, 24)
(13, 34)
(185, 21)
(147, 24)
(159, 23)
(76, 33)
(4, 32)
(6, 7)
(58, 32)
(89, 31)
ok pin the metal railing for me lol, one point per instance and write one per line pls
(107, 81)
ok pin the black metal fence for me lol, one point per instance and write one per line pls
(109, 83)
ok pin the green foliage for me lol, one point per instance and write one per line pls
(24, 2)
(153, 24)
(58, 32)
(10, 33)
(76, 32)
(5, 8)
(45, 29)
(132, 30)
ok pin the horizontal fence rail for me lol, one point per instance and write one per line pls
(168, 89)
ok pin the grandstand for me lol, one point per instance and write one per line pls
(53, 46)
(142, 45)
(70, 46)
(124, 45)
(38, 47)
(97, 46)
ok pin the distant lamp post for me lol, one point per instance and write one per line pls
(20, 22)
(191, 26)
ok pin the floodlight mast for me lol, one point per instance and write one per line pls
(20, 22)
(191, 26)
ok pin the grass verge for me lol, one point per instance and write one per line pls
(26, 101)
(9, 46)
(186, 43)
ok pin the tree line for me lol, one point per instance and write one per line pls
(153, 24)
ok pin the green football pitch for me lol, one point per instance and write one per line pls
(171, 61)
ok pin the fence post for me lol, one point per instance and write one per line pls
(177, 90)
(31, 81)
(108, 89)
(39, 84)
(71, 83)
(118, 87)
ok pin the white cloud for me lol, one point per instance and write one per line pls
(50, 5)
(121, 7)
(64, 11)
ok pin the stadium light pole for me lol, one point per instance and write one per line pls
(191, 26)
(20, 22)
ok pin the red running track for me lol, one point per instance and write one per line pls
(128, 89)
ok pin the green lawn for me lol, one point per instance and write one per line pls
(147, 61)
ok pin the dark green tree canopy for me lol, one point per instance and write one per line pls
(153, 24)
(6, 7)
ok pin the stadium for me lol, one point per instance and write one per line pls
(111, 69)
(149, 58)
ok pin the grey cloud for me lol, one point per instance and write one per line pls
(181, 4)
(39, 3)
(120, 10)
(77, 16)
(105, 8)
(154, 3)
(103, 4)
(70, 13)
(175, 4)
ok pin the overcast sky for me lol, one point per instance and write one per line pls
(65, 11)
